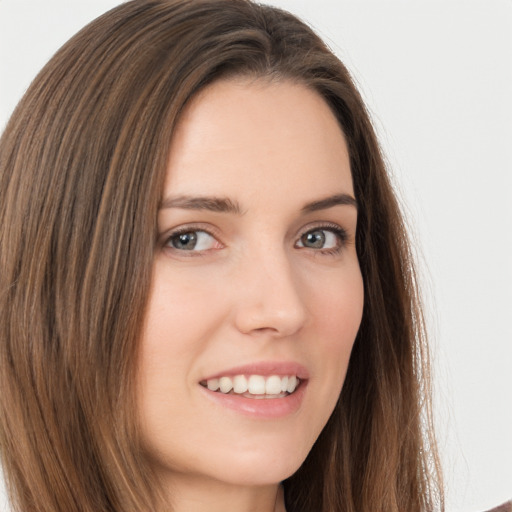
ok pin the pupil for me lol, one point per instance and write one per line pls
(185, 241)
(315, 239)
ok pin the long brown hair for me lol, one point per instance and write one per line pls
(82, 164)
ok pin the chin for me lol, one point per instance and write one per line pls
(251, 462)
(262, 466)
(260, 476)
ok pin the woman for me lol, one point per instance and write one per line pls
(198, 235)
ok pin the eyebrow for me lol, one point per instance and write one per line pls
(213, 204)
(226, 205)
(329, 202)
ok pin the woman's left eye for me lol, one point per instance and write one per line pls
(323, 239)
(193, 240)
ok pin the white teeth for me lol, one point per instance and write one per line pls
(273, 385)
(292, 384)
(257, 385)
(213, 384)
(240, 384)
(226, 384)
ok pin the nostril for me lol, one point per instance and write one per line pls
(269, 322)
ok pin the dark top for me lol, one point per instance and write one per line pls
(506, 507)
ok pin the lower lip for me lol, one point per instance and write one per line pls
(265, 408)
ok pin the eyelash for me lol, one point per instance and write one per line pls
(340, 233)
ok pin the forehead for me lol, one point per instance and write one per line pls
(241, 136)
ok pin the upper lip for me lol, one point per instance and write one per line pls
(264, 368)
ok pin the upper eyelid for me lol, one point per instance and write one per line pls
(207, 228)
(327, 226)
(321, 225)
(186, 228)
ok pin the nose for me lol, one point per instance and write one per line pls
(269, 298)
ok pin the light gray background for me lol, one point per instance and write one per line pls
(437, 76)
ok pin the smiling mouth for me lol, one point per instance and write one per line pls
(254, 386)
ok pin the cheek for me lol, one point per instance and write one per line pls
(171, 339)
(337, 308)
(337, 311)
(172, 331)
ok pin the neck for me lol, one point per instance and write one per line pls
(191, 495)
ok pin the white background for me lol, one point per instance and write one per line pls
(437, 76)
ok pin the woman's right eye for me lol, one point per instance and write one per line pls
(194, 240)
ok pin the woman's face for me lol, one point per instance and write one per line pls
(256, 285)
